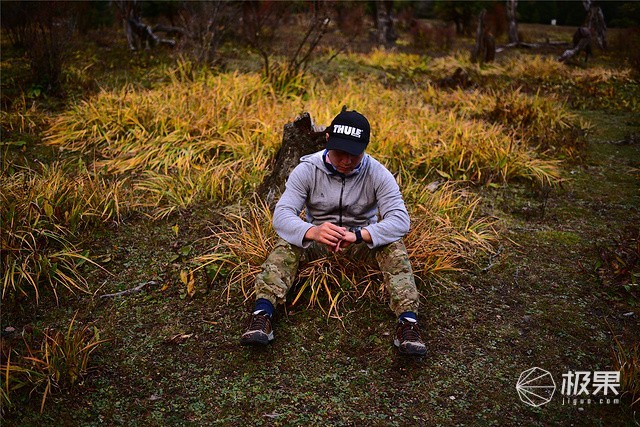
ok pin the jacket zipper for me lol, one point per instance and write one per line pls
(340, 205)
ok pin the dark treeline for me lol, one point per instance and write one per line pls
(618, 14)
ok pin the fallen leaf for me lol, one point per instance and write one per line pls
(186, 250)
(178, 338)
(187, 278)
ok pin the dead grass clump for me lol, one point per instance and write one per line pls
(626, 360)
(42, 211)
(173, 126)
(50, 362)
(219, 182)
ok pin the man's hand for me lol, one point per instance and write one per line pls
(337, 238)
(328, 234)
(348, 239)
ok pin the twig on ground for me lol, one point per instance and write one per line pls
(492, 257)
(129, 291)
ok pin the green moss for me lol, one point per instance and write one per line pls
(610, 127)
(566, 238)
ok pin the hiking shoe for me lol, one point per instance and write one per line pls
(408, 339)
(258, 331)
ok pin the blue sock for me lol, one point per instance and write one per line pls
(408, 315)
(265, 305)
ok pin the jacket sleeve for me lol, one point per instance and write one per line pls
(286, 216)
(394, 222)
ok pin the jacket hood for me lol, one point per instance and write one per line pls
(317, 160)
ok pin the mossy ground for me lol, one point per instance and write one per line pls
(540, 301)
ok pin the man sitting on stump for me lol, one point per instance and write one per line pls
(345, 192)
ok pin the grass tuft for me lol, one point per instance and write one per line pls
(52, 362)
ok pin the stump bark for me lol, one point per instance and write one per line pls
(299, 138)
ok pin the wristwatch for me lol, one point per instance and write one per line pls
(358, 232)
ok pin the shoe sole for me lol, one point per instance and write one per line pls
(256, 338)
(410, 349)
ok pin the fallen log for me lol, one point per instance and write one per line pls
(144, 35)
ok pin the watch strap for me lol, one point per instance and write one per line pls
(358, 233)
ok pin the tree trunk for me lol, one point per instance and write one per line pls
(298, 139)
(595, 28)
(477, 49)
(512, 6)
(126, 10)
(595, 22)
(485, 48)
(386, 32)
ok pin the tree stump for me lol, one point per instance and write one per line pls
(298, 139)
(139, 34)
(485, 47)
(459, 79)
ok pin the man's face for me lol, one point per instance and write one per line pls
(344, 162)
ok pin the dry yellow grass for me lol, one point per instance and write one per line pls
(204, 136)
(41, 211)
(187, 124)
(446, 229)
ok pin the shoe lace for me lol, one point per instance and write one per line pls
(410, 332)
(258, 322)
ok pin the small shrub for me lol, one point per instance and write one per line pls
(421, 34)
(426, 36)
(52, 361)
(44, 29)
(621, 44)
(350, 18)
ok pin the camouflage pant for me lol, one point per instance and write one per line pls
(280, 268)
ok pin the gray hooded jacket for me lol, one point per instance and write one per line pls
(359, 199)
